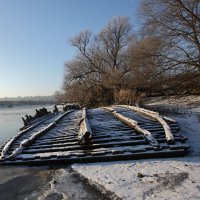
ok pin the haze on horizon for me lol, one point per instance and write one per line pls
(34, 38)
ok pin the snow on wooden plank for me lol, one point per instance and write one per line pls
(10, 142)
(95, 157)
(85, 132)
(112, 139)
(133, 124)
(155, 116)
(27, 142)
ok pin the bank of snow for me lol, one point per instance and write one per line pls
(172, 178)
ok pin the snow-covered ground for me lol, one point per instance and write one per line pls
(171, 178)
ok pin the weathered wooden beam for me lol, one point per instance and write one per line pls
(85, 132)
(10, 142)
(133, 124)
(155, 116)
(27, 142)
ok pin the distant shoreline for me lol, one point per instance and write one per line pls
(21, 103)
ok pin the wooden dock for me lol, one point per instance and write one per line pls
(95, 135)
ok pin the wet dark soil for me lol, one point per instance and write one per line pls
(47, 183)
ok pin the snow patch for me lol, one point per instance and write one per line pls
(169, 178)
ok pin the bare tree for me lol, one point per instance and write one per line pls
(115, 65)
(105, 51)
(101, 60)
(177, 22)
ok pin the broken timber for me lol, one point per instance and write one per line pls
(133, 124)
(93, 135)
(85, 132)
(155, 116)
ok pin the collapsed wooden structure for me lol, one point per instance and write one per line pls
(103, 134)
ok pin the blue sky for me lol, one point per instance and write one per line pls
(34, 34)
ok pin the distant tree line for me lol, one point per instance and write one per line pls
(10, 104)
(29, 98)
(118, 65)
